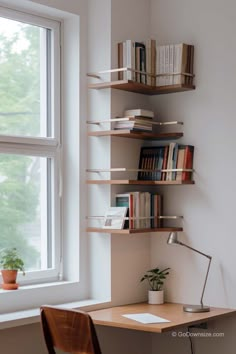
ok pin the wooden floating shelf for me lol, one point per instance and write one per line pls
(131, 86)
(137, 182)
(126, 133)
(132, 231)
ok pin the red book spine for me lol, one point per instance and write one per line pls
(188, 162)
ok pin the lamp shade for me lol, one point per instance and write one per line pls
(173, 239)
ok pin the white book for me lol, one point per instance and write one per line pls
(139, 112)
(178, 50)
(130, 58)
(147, 210)
(115, 218)
(167, 64)
(136, 197)
(171, 64)
(162, 65)
(142, 209)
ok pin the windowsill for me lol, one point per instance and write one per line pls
(25, 317)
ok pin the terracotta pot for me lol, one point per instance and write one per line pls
(9, 279)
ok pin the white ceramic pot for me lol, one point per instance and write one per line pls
(156, 297)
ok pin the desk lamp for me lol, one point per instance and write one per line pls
(173, 240)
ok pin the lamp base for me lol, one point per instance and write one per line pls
(196, 308)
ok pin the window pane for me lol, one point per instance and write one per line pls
(24, 97)
(24, 182)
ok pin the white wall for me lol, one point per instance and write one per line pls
(209, 124)
(130, 254)
(99, 54)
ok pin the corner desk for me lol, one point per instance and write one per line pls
(112, 316)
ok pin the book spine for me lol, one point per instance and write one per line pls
(128, 58)
(171, 65)
(169, 161)
(160, 162)
(174, 161)
(153, 62)
(148, 61)
(184, 63)
(180, 162)
(158, 69)
(165, 159)
(167, 64)
(131, 213)
(120, 61)
(188, 162)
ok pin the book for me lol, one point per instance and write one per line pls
(130, 59)
(188, 162)
(120, 61)
(140, 60)
(164, 165)
(174, 161)
(169, 175)
(126, 200)
(139, 112)
(180, 161)
(115, 218)
(135, 123)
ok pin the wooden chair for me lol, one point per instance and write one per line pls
(68, 330)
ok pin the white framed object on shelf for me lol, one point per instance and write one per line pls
(115, 218)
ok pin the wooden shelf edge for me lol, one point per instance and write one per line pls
(126, 133)
(136, 87)
(139, 182)
(132, 231)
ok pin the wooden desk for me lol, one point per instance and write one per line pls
(112, 316)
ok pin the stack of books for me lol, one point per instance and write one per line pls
(144, 209)
(168, 64)
(172, 156)
(137, 120)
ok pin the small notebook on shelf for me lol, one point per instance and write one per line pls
(115, 218)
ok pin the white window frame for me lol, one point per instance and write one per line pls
(78, 279)
(48, 147)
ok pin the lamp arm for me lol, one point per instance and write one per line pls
(193, 249)
(208, 268)
(204, 286)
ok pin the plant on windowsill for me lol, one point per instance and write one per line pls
(155, 278)
(10, 263)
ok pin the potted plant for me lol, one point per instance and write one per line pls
(10, 263)
(155, 278)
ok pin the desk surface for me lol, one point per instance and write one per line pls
(112, 316)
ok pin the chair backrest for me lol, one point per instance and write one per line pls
(71, 331)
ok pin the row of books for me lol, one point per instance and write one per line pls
(144, 209)
(172, 156)
(137, 119)
(138, 56)
(167, 63)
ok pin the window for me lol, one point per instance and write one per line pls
(30, 141)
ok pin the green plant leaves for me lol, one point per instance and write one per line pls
(155, 278)
(10, 259)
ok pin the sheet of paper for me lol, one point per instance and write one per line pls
(146, 318)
